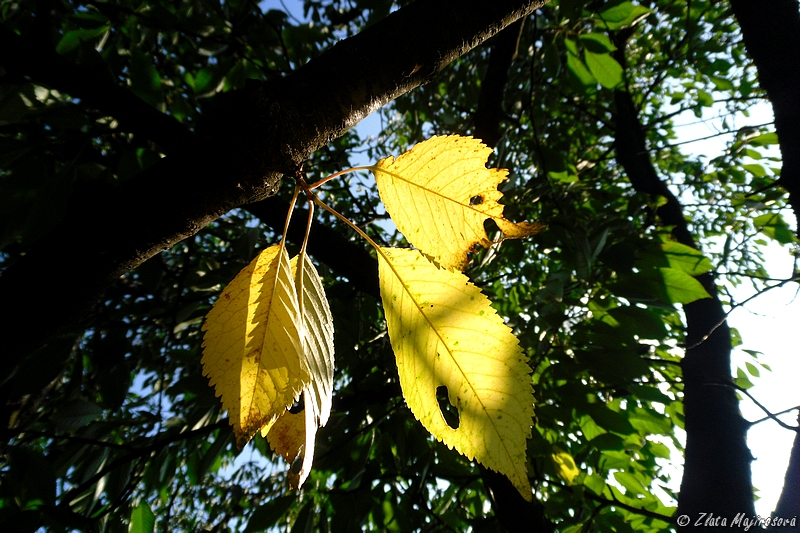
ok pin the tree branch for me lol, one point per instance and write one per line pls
(253, 136)
(716, 475)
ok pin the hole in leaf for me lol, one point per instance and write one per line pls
(298, 406)
(476, 200)
(449, 411)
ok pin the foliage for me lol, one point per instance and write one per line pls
(129, 434)
(262, 347)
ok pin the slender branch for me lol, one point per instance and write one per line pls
(740, 304)
(744, 391)
(770, 417)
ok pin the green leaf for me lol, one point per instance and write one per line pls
(681, 288)
(595, 483)
(76, 414)
(579, 70)
(764, 139)
(755, 169)
(622, 15)
(597, 43)
(640, 321)
(775, 227)
(142, 519)
(685, 258)
(605, 69)
(72, 39)
(631, 483)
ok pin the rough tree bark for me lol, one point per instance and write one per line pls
(771, 33)
(256, 135)
(716, 475)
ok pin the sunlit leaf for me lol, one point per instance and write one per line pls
(605, 69)
(445, 333)
(317, 337)
(440, 193)
(252, 346)
(681, 288)
(565, 465)
(686, 258)
(293, 435)
(622, 15)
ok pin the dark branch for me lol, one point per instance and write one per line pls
(253, 136)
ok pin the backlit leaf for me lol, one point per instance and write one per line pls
(252, 345)
(294, 435)
(681, 288)
(565, 465)
(445, 333)
(622, 15)
(604, 68)
(317, 337)
(440, 193)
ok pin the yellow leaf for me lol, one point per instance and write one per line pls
(565, 465)
(252, 345)
(317, 337)
(445, 333)
(288, 437)
(440, 193)
(294, 439)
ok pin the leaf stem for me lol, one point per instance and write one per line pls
(336, 175)
(343, 218)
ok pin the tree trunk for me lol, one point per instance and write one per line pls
(789, 502)
(771, 33)
(716, 475)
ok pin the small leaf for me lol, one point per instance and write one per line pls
(565, 465)
(252, 347)
(764, 139)
(444, 332)
(775, 227)
(145, 79)
(605, 69)
(622, 15)
(142, 519)
(440, 193)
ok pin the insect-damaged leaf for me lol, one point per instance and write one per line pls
(440, 193)
(252, 346)
(445, 334)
